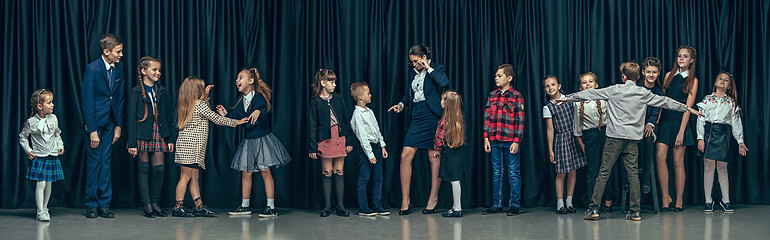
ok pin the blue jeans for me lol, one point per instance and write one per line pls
(375, 171)
(501, 150)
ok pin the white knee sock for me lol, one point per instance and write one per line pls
(271, 203)
(47, 195)
(724, 182)
(40, 195)
(569, 201)
(559, 203)
(456, 195)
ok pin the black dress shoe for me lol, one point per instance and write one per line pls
(342, 212)
(148, 214)
(512, 211)
(571, 209)
(105, 212)
(204, 211)
(430, 211)
(561, 210)
(325, 212)
(607, 209)
(182, 212)
(492, 210)
(158, 212)
(452, 213)
(91, 213)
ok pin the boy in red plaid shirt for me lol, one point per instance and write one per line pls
(503, 130)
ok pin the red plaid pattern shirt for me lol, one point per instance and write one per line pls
(438, 145)
(504, 116)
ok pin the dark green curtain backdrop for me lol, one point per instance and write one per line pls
(46, 44)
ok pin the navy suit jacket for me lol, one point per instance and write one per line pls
(434, 84)
(262, 126)
(102, 105)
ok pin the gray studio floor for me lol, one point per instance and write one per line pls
(748, 222)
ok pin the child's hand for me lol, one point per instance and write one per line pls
(514, 148)
(582, 146)
(30, 155)
(437, 154)
(373, 160)
(487, 145)
(561, 100)
(254, 116)
(94, 136)
(648, 130)
(221, 110)
(701, 145)
(242, 121)
(170, 147)
(384, 153)
(742, 149)
(60, 151)
(693, 111)
(313, 155)
(116, 135)
(348, 149)
(552, 156)
(396, 108)
(132, 152)
(208, 88)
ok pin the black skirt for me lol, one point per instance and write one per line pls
(452, 166)
(717, 141)
(422, 129)
(667, 135)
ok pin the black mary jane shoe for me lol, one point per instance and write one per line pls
(342, 212)
(561, 210)
(158, 212)
(571, 209)
(326, 212)
(452, 213)
(204, 211)
(182, 212)
(148, 214)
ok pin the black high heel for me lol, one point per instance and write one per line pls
(431, 211)
(407, 211)
(668, 208)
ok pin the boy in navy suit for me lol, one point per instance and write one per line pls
(102, 101)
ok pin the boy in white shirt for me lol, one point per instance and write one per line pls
(365, 126)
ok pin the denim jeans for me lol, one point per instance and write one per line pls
(374, 171)
(501, 154)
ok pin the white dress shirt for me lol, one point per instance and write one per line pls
(45, 134)
(247, 101)
(365, 126)
(418, 85)
(590, 116)
(719, 110)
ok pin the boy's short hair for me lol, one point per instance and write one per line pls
(109, 41)
(630, 70)
(507, 70)
(357, 89)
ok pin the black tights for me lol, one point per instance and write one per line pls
(150, 193)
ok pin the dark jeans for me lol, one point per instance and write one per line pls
(628, 150)
(501, 154)
(366, 171)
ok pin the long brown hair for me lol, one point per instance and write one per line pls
(454, 124)
(690, 76)
(582, 104)
(144, 63)
(191, 91)
(259, 86)
(322, 75)
(731, 92)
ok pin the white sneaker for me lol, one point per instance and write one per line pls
(43, 216)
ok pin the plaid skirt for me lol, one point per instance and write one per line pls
(45, 169)
(567, 153)
(156, 144)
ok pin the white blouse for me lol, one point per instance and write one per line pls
(719, 110)
(590, 116)
(45, 134)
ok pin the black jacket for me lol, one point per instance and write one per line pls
(143, 130)
(319, 124)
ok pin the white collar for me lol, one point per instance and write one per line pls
(107, 65)
(562, 97)
(249, 96)
(362, 109)
(684, 74)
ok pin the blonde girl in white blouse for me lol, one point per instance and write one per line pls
(722, 118)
